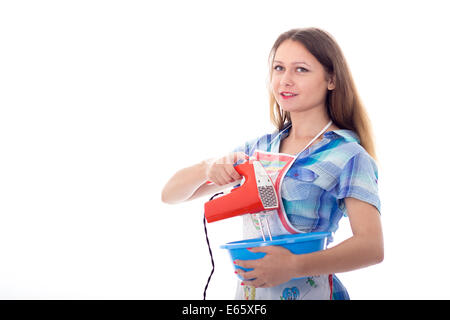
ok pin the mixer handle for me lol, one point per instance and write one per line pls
(238, 168)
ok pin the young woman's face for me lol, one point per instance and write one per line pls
(299, 82)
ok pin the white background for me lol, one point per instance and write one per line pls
(102, 101)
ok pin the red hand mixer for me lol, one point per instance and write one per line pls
(256, 195)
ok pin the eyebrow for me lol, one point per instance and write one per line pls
(295, 62)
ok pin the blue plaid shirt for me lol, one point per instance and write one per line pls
(321, 177)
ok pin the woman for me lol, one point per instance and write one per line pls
(321, 159)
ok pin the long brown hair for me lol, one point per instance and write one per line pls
(343, 104)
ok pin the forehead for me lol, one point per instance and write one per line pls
(291, 51)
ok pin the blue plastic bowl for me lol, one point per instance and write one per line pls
(296, 243)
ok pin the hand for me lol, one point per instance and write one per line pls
(221, 171)
(276, 267)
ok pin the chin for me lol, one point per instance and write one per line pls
(294, 109)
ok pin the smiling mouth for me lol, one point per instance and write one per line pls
(287, 95)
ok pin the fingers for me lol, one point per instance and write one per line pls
(265, 249)
(222, 171)
(269, 249)
(247, 264)
(224, 175)
(246, 275)
(224, 178)
(268, 271)
(250, 279)
(232, 173)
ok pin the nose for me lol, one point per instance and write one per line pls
(286, 79)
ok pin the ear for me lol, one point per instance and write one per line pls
(331, 82)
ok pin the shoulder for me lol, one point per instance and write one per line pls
(351, 157)
(353, 147)
(339, 157)
(342, 146)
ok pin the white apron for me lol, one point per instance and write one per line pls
(316, 287)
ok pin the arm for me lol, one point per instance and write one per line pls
(190, 183)
(364, 248)
(183, 184)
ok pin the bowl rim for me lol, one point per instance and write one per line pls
(259, 242)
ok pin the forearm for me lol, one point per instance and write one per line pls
(363, 249)
(184, 183)
(354, 253)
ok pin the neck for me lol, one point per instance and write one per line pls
(307, 124)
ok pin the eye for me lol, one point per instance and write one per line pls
(278, 68)
(281, 68)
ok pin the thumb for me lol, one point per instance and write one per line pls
(260, 249)
(239, 156)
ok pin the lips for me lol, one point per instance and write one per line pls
(287, 94)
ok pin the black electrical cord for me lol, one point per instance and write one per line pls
(209, 247)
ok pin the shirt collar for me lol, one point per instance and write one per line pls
(348, 135)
